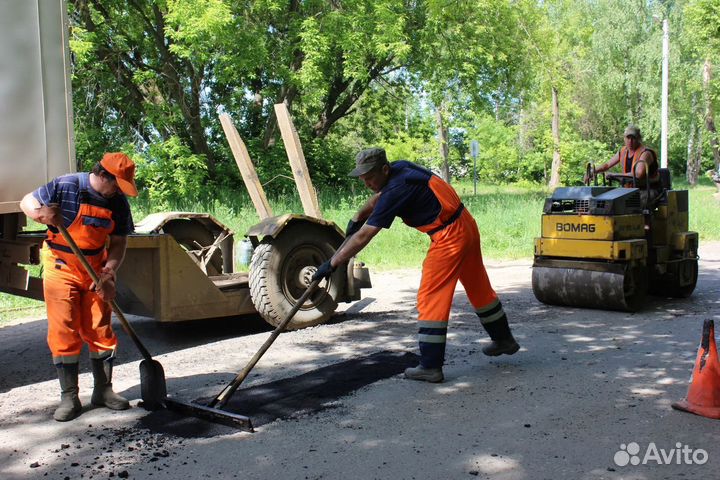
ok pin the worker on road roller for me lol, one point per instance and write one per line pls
(639, 166)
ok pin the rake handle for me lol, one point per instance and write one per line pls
(90, 271)
(227, 392)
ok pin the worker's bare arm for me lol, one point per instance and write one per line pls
(116, 254)
(607, 166)
(45, 214)
(354, 244)
(641, 166)
(365, 211)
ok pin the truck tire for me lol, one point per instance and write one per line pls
(281, 269)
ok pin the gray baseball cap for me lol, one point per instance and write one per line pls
(633, 131)
(368, 159)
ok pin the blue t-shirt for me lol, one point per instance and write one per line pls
(67, 190)
(406, 195)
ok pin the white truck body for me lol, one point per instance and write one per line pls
(36, 123)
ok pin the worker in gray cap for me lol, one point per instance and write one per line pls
(425, 202)
(636, 160)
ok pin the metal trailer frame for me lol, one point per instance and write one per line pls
(160, 279)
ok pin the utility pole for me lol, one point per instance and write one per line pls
(665, 73)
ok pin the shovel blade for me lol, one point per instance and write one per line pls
(153, 389)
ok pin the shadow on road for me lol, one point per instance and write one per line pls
(25, 357)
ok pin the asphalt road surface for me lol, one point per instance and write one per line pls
(587, 397)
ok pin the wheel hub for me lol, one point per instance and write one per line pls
(305, 276)
(298, 268)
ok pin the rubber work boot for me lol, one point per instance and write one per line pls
(502, 338)
(507, 346)
(432, 375)
(70, 406)
(103, 395)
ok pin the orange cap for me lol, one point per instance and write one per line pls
(123, 168)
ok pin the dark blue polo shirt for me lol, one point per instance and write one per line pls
(67, 190)
(406, 195)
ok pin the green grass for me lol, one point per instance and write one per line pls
(508, 217)
(704, 210)
(13, 307)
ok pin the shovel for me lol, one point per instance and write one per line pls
(152, 376)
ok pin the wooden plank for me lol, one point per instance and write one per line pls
(295, 154)
(247, 169)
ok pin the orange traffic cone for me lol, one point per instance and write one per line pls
(703, 397)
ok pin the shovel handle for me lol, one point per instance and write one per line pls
(227, 392)
(90, 271)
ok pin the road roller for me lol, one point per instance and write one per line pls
(608, 246)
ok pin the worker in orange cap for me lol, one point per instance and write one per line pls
(93, 207)
(425, 202)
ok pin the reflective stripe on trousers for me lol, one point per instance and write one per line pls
(454, 255)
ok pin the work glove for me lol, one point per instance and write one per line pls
(353, 227)
(323, 271)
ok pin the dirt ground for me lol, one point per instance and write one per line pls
(589, 392)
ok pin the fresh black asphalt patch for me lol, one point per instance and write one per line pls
(307, 393)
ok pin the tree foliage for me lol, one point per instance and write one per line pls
(151, 76)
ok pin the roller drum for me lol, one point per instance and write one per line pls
(581, 284)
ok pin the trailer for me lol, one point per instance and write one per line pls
(178, 265)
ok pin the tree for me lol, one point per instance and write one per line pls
(471, 55)
(703, 30)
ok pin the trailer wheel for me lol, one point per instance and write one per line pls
(194, 238)
(281, 270)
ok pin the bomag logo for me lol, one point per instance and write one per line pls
(575, 227)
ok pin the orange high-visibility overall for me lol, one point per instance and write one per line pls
(76, 313)
(454, 255)
(628, 164)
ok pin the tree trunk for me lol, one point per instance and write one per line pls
(557, 160)
(626, 87)
(287, 95)
(444, 147)
(709, 115)
(697, 159)
(691, 171)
